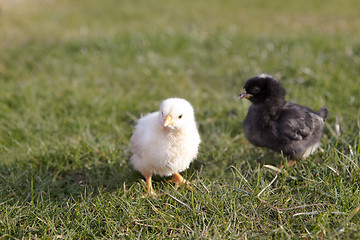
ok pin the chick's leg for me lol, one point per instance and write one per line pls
(179, 180)
(149, 188)
(291, 162)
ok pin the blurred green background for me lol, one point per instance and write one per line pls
(76, 75)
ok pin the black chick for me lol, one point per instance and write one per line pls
(272, 122)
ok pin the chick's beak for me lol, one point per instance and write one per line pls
(168, 121)
(244, 94)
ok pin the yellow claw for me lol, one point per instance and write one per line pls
(149, 188)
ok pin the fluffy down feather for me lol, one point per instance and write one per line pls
(165, 142)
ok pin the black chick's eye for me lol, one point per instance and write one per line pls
(256, 90)
(180, 116)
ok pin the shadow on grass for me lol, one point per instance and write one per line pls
(59, 176)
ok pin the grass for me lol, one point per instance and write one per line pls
(75, 76)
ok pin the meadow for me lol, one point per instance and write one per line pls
(76, 75)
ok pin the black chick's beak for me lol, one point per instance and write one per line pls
(244, 94)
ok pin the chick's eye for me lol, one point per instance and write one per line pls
(180, 116)
(256, 90)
